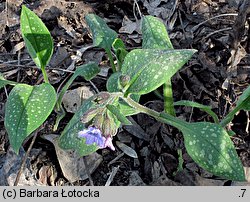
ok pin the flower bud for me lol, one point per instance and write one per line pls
(109, 127)
(89, 115)
(98, 121)
(124, 79)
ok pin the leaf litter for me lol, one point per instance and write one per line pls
(201, 81)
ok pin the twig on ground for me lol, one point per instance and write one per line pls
(112, 175)
(116, 158)
(87, 171)
(6, 92)
(248, 122)
(217, 16)
(25, 158)
(135, 5)
(18, 63)
(217, 31)
(94, 86)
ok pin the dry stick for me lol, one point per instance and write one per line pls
(18, 63)
(112, 175)
(138, 8)
(116, 158)
(248, 121)
(6, 92)
(87, 171)
(25, 159)
(217, 31)
(94, 86)
(7, 13)
(217, 16)
(239, 24)
(172, 10)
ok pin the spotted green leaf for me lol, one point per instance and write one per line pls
(69, 138)
(113, 85)
(103, 36)
(27, 108)
(119, 115)
(4, 82)
(209, 146)
(120, 50)
(148, 69)
(37, 37)
(205, 108)
(154, 34)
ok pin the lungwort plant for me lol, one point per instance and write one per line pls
(135, 73)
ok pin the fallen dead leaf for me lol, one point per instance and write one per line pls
(135, 179)
(126, 149)
(73, 99)
(129, 26)
(189, 178)
(72, 165)
(11, 166)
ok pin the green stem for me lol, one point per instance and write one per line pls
(62, 92)
(168, 98)
(45, 76)
(181, 161)
(230, 116)
(108, 51)
(162, 117)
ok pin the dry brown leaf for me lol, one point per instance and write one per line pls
(72, 165)
(11, 166)
(73, 99)
(129, 26)
(126, 149)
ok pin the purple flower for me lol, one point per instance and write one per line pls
(94, 135)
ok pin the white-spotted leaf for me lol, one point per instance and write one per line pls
(37, 37)
(119, 115)
(27, 108)
(103, 36)
(210, 146)
(154, 34)
(148, 68)
(69, 138)
(113, 85)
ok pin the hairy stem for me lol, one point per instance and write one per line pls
(229, 117)
(108, 51)
(168, 98)
(162, 117)
(45, 76)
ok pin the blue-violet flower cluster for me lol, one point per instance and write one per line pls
(94, 135)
